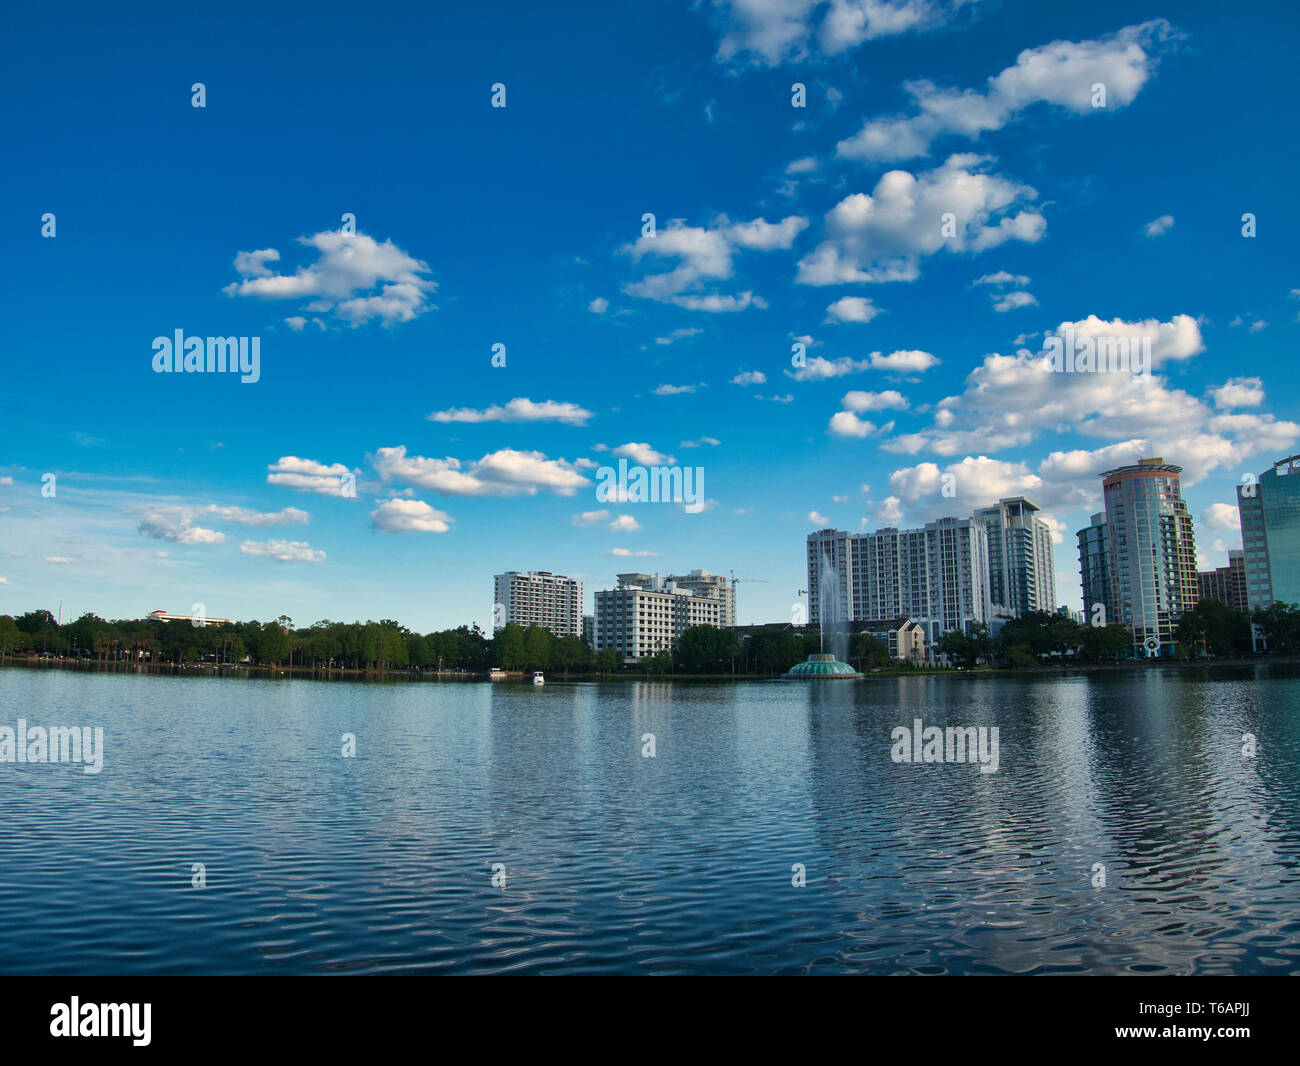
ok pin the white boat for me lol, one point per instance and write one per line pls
(538, 679)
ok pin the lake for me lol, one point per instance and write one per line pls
(503, 828)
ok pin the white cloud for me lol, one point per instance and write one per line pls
(705, 257)
(1011, 301)
(60, 560)
(847, 424)
(643, 454)
(884, 236)
(308, 475)
(244, 517)
(590, 518)
(627, 553)
(1222, 516)
(1061, 73)
(285, 551)
(853, 309)
(625, 523)
(409, 516)
(750, 377)
(679, 334)
(6, 480)
(819, 369)
(520, 409)
(1002, 277)
(175, 523)
(818, 519)
(673, 390)
(501, 473)
(802, 166)
(874, 401)
(904, 362)
(713, 441)
(1239, 392)
(598, 306)
(771, 32)
(354, 277)
(1159, 227)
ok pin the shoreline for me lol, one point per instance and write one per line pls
(301, 673)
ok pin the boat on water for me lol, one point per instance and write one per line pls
(538, 679)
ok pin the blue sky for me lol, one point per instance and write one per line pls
(522, 225)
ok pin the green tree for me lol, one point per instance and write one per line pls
(869, 653)
(508, 646)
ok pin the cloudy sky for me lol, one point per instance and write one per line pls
(840, 304)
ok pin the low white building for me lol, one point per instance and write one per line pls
(645, 614)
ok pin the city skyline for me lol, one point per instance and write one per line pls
(799, 327)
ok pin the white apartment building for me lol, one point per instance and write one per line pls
(1022, 570)
(937, 575)
(645, 614)
(538, 597)
(702, 583)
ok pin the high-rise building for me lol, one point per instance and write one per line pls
(645, 614)
(1149, 561)
(1270, 534)
(1094, 570)
(1227, 584)
(701, 582)
(937, 575)
(538, 597)
(1022, 570)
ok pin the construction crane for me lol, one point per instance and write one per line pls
(737, 580)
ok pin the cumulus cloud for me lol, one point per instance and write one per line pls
(1011, 301)
(750, 377)
(1002, 277)
(874, 401)
(244, 517)
(1221, 516)
(1239, 392)
(643, 454)
(176, 524)
(673, 390)
(308, 475)
(627, 553)
(771, 32)
(590, 518)
(598, 306)
(520, 409)
(818, 519)
(354, 277)
(1159, 227)
(284, 551)
(409, 516)
(904, 362)
(678, 335)
(1061, 73)
(624, 523)
(704, 258)
(501, 473)
(819, 369)
(885, 235)
(852, 309)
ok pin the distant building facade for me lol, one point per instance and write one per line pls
(1227, 584)
(193, 619)
(1270, 534)
(646, 614)
(702, 583)
(937, 575)
(539, 597)
(904, 638)
(1022, 568)
(1142, 551)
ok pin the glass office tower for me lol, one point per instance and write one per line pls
(1270, 534)
(1151, 552)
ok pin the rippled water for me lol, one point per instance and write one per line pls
(681, 863)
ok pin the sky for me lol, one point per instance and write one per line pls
(839, 304)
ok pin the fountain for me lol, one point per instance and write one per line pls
(832, 620)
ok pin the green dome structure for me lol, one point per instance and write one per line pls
(821, 668)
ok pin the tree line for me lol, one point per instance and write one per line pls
(1210, 628)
